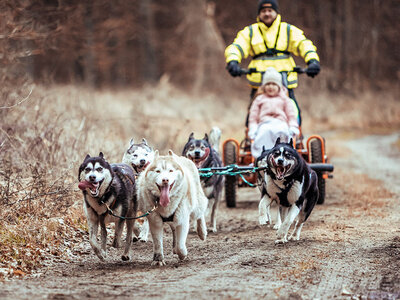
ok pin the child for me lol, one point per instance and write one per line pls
(272, 114)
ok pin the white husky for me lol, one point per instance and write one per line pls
(172, 184)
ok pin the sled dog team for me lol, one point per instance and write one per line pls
(147, 190)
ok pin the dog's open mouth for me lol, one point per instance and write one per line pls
(164, 193)
(92, 186)
(199, 161)
(140, 168)
(281, 171)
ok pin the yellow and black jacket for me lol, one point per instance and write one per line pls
(271, 47)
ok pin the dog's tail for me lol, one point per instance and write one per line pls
(214, 138)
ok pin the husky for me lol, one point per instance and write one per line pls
(106, 186)
(290, 182)
(139, 156)
(204, 153)
(171, 183)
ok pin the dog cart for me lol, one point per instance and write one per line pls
(237, 160)
(237, 156)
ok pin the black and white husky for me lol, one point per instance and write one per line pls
(290, 182)
(113, 186)
(204, 153)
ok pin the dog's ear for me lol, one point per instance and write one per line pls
(263, 149)
(291, 142)
(144, 142)
(170, 152)
(191, 136)
(206, 137)
(156, 154)
(278, 141)
(131, 142)
(87, 156)
(101, 155)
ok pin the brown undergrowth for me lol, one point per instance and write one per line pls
(44, 139)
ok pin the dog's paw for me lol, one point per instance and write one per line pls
(125, 257)
(263, 220)
(135, 239)
(213, 230)
(280, 241)
(158, 263)
(143, 238)
(281, 237)
(158, 260)
(182, 253)
(293, 238)
(277, 226)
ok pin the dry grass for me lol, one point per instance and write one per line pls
(377, 112)
(44, 139)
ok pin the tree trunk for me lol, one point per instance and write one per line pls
(148, 49)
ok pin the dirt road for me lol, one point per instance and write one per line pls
(350, 247)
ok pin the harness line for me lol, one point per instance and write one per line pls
(231, 170)
(109, 210)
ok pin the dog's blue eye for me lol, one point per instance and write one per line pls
(134, 155)
(171, 170)
(158, 171)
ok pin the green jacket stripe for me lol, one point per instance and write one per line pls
(240, 49)
(288, 36)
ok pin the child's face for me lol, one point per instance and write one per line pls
(271, 89)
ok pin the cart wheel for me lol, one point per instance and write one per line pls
(316, 157)
(230, 181)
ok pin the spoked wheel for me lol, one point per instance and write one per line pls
(316, 157)
(230, 181)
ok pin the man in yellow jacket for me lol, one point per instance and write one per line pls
(270, 42)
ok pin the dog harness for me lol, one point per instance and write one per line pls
(168, 219)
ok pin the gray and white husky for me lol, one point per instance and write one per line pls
(290, 182)
(138, 156)
(204, 153)
(107, 185)
(171, 183)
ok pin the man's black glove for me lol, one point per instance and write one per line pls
(313, 68)
(233, 68)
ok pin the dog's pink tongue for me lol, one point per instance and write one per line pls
(83, 185)
(164, 195)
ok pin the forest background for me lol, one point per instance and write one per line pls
(84, 76)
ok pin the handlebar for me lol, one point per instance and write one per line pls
(298, 70)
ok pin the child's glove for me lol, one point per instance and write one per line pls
(252, 132)
(294, 131)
